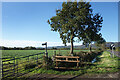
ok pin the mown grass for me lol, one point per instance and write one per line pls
(21, 53)
(104, 64)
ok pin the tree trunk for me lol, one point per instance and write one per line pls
(71, 49)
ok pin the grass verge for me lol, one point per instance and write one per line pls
(104, 64)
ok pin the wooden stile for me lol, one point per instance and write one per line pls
(58, 59)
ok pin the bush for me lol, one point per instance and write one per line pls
(86, 56)
(47, 63)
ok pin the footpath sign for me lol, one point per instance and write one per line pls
(112, 47)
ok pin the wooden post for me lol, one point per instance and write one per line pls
(28, 59)
(17, 66)
(2, 70)
(56, 62)
(55, 53)
(37, 58)
(14, 66)
(66, 59)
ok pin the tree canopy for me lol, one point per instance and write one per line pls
(76, 19)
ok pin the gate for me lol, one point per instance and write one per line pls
(13, 67)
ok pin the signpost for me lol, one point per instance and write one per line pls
(46, 53)
(112, 47)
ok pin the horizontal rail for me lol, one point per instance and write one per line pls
(8, 76)
(7, 64)
(8, 70)
(66, 68)
(8, 73)
(5, 67)
(67, 57)
(31, 55)
(66, 61)
(8, 60)
(21, 57)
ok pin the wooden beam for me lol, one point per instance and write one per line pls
(67, 57)
(66, 68)
(65, 61)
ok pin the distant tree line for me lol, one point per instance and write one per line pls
(30, 48)
(36, 48)
(20, 48)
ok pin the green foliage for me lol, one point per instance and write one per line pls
(76, 19)
(47, 62)
(86, 56)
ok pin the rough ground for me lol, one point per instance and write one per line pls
(70, 77)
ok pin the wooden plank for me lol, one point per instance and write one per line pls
(65, 61)
(67, 57)
(66, 68)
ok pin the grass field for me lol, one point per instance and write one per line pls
(20, 53)
(104, 64)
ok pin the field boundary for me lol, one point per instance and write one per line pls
(13, 67)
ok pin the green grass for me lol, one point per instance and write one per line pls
(104, 64)
(20, 53)
(23, 61)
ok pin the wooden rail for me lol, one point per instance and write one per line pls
(66, 59)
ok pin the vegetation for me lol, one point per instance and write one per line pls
(76, 19)
(20, 53)
(20, 48)
(104, 64)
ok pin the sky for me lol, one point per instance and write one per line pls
(25, 23)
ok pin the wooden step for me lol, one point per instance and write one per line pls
(67, 57)
(66, 68)
(66, 61)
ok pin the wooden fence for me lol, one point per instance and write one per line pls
(75, 59)
(13, 67)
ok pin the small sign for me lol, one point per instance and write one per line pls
(44, 43)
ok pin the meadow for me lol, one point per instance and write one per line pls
(103, 64)
(21, 53)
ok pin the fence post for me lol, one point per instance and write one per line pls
(17, 66)
(37, 58)
(14, 65)
(28, 59)
(2, 70)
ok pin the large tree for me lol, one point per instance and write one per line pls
(76, 19)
